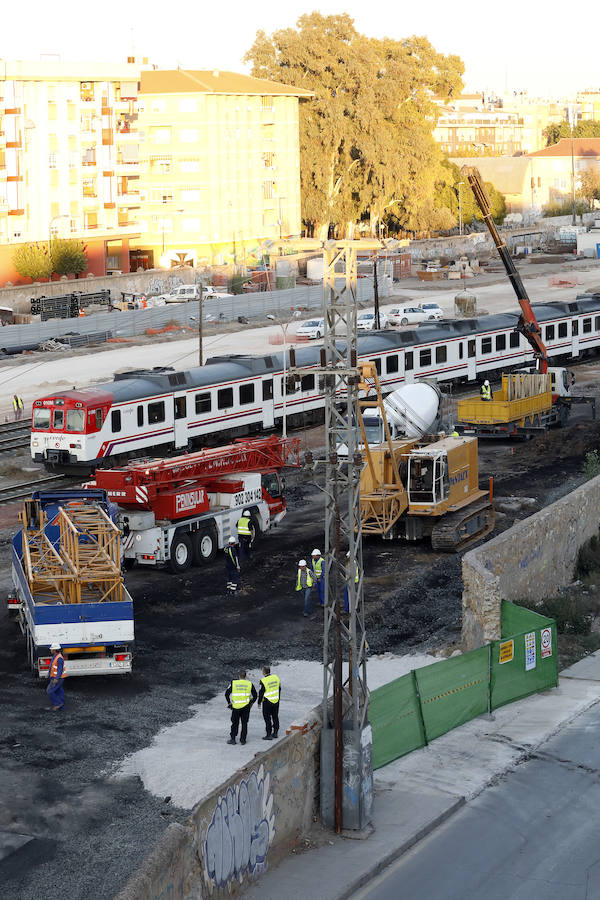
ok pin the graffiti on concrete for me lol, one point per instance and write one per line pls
(240, 832)
(162, 285)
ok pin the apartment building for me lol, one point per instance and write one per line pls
(69, 161)
(220, 165)
(588, 105)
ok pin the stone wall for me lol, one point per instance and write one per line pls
(241, 828)
(529, 561)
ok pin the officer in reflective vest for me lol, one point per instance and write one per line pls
(56, 673)
(348, 577)
(232, 565)
(318, 574)
(240, 696)
(486, 391)
(268, 696)
(304, 582)
(244, 535)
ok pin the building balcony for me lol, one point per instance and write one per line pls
(12, 111)
(127, 167)
(131, 198)
(14, 145)
(16, 212)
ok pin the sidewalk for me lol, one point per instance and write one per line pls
(416, 793)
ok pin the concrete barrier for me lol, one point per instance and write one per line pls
(529, 561)
(239, 829)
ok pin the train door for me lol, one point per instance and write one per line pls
(575, 336)
(268, 405)
(180, 420)
(471, 359)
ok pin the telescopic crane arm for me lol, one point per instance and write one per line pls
(527, 324)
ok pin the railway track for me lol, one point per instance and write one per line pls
(14, 435)
(24, 488)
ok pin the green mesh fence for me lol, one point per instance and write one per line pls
(410, 711)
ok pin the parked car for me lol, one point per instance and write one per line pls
(212, 293)
(313, 329)
(433, 310)
(187, 292)
(366, 321)
(410, 315)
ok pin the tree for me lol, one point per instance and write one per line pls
(68, 257)
(587, 129)
(32, 261)
(366, 145)
(589, 185)
(447, 197)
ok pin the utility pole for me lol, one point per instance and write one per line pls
(376, 293)
(200, 304)
(571, 114)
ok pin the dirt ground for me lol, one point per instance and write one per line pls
(89, 833)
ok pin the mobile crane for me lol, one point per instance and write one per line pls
(179, 511)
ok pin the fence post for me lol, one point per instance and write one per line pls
(419, 707)
(489, 709)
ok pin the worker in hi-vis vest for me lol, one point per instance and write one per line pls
(486, 391)
(244, 535)
(304, 583)
(319, 576)
(56, 674)
(268, 696)
(240, 696)
(349, 568)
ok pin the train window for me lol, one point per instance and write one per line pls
(471, 349)
(562, 329)
(424, 357)
(377, 362)
(307, 383)
(461, 350)
(156, 412)
(99, 418)
(203, 403)
(587, 326)
(180, 407)
(514, 339)
(500, 342)
(291, 385)
(575, 326)
(408, 360)
(59, 419)
(549, 333)
(268, 389)
(597, 323)
(75, 420)
(441, 354)
(486, 345)
(225, 398)
(391, 364)
(41, 419)
(115, 420)
(246, 394)
(140, 416)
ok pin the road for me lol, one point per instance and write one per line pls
(533, 836)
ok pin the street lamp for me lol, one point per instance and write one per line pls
(571, 114)
(460, 225)
(284, 327)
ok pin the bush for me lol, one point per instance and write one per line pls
(588, 558)
(68, 257)
(571, 613)
(591, 466)
(32, 261)
(564, 209)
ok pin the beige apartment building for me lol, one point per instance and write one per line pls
(69, 158)
(220, 165)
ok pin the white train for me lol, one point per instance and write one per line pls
(232, 396)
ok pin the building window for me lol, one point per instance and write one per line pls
(425, 357)
(190, 195)
(160, 164)
(500, 342)
(562, 329)
(52, 161)
(159, 106)
(486, 345)
(587, 326)
(225, 398)
(246, 394)
(441, 354)
(188, 105)
(514, 339)
(268, 190)
(162, 195)
(391, 364)
(160, 135)
(266, 104)
(203, 403)
(156, 412)
(189, 165)
(115, 420)
(189, 135)
(549, 332)
(269, 159)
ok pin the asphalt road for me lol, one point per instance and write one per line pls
(533, 836)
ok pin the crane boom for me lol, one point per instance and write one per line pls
(527, 324)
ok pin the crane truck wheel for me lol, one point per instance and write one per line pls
(181, 554)
(255, 529)
(205, 545)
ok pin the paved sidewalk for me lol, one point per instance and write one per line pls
(416, 793)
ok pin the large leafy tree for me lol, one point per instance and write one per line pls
(365, 137)
(32, 261)
(448, 191)
(589, 185)
(68, 256)
(587, 129)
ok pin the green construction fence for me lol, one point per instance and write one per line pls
(424, 704)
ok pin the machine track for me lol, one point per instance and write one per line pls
(460, 529)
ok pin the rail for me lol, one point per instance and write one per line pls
(14, 435)
(24, 488)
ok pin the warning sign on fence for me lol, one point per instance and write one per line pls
(507, 651)
(530, 651)
(546, 642)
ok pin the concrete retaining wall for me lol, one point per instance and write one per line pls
(240, 829)
(530, 561)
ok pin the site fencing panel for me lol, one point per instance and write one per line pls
(417, 708)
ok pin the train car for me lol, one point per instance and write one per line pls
(233, 396)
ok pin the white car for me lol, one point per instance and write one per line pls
(313, 329)
(433, 310)
(212, 293)
(366, 321)
(410, 315)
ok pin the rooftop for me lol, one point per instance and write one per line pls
(180, 81)
(581, 147)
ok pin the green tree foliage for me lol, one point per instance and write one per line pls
(589, 185)
(68, 256)
(366, 147)
(553, 133)
(32, 261)
(447, 196)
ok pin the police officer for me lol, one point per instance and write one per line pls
(348, 577)
(318, 575)
(244, 535)
(56, 673)
(268, 695)
(232, 565)
(240, 696)
(486, 391)
(304, 582)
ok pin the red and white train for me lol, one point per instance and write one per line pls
(234, 396)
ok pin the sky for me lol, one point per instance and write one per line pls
(512, 46)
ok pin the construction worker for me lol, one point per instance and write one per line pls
(318, 574)
(56, 673)
(349, 568)
(486, 391)
(17, 406)
(244, 535)
(232, 565)
(304, 582)
(240, 696)
(268, 696)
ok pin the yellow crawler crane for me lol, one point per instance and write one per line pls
(420, 487)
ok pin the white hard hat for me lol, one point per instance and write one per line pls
(246, 513)
(316, 552)
(348, 553)
(55, 645)
(302, 562)
(486, 383)
(232, 540)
